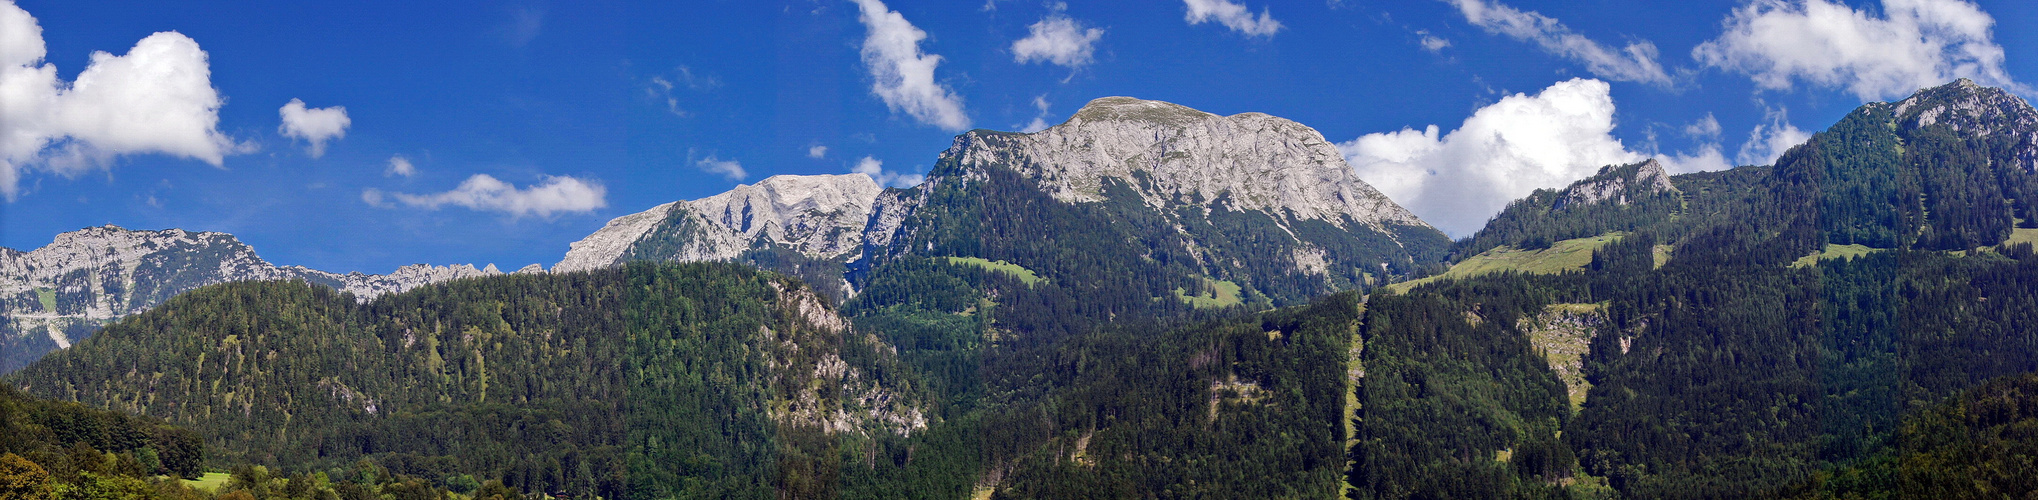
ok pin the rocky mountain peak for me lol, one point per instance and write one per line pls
(1171, 154)
(84, 278)
(815, 215)
(1118, 108)
(1620, 184)
(1973, 110)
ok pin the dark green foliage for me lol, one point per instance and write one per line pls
(1450, 383)
(497, 377)
(531, 380)
(1734, 370)
(46, 431)
(1981, 444)
(1241, 408)
(1545, 217)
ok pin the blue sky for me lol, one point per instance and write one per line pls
(578, 112)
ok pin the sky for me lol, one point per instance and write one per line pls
(368, 135)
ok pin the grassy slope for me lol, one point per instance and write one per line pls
(1017, 271)
(1563, 256)
(211, 481)
(1223, 294)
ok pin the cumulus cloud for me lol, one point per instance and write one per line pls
(1912, 45)
(1635, 62)
(1769, 141)
(725, 168)
(1059, 40)
(1232, 15)
(817, 151)
(876, 170)
(314, 125)
(1456, 181)
(482, 192)
(399, 166)
(158, 98)
(903, 76)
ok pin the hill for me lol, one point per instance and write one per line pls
(1747, 333)
(702, 377)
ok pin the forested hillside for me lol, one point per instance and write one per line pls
(1752, 333)
(700, 377)
(1767, 331)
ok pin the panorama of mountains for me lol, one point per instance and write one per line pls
(1146, 301)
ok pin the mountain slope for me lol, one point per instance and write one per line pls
(1744, 334)
(1259, 201)
(817, 216)
(57, 294)
(622, 379)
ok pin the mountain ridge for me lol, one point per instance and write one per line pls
(60, 292)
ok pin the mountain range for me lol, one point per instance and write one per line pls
(62, 292)
(1149, 301)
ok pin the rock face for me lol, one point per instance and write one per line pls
(1621, 185)
(1212, 182)
(1168, 152)
(1252, 199)
(1171, 155)
(818, 216)
(1974, 111)
(54, 295)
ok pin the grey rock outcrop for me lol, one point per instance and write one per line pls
(88, 277)
(1974, 111)
(1620, 185)
(820, 216)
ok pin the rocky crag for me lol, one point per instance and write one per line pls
(53, 296)
(1206, 187)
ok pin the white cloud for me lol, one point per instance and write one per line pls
(1232, 15)
(1707, 159)
(158, 98)
(1708, 127)
(817, 151)
(726, 168)
(1431, 42)
(314, 125)
(1769, 141)
(482, 192)
(1039, 122)
(1059, 40)
(398, 165)
(373, 197)
(875, 169)
(903, 76)
(1504, 151)
(1635, 62)
(1912, 45)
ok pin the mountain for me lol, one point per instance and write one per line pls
(1790, 330)
(1617, 198)
(642, 378)
(1149, 301)
(819, 216)
(62, 292)
(1262, 202)
(1213, 196)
